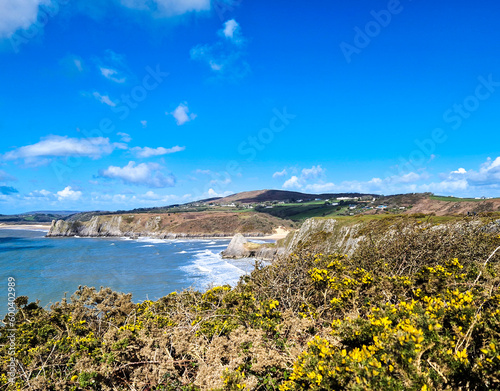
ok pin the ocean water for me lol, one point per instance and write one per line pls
(47, 268)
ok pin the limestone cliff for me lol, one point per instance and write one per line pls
(319, 235)
(170, 225)
(324, 235)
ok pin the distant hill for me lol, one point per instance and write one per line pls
(34, 217)
(308, 206)
(279, 195)
(52, 212)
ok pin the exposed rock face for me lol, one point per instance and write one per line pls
(94, 227)
(237, 248)
(320, 235)
(161, 227)
(325, 235)
(240, 247)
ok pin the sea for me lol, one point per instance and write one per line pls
(47, 269)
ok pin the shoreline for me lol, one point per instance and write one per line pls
(280, 234)
(28, 227)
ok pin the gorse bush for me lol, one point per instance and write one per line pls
(415, 307)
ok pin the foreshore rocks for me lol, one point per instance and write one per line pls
(241, 247)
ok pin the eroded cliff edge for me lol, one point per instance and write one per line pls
(170, 225)
(356, 236)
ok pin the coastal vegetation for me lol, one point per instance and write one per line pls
(415, 307)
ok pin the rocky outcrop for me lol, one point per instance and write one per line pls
(324, 235)
(240, 247)
(94, 227)
(237, 248)
(319, 235)
(142, 225)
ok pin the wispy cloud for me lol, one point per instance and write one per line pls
(144, 174)
(125, 137)
(224, 57)
(112, 74)
(72, 65)
(40, 194)
(279, 174)
(168, 7)
(146, 152)
(4, 177)
(62, 146)
(103, 99)
(113, 66)
(182, 114)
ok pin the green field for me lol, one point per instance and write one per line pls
(453, 199)
(306, 210)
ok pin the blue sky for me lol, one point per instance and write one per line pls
(117, 104)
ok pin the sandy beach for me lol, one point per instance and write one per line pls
(44, 227)
(279, 233)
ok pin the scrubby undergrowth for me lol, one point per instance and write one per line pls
(415, 309)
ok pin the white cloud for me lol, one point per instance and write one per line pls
(203, 172)
(145, 174)
(225, 56)
(40, 194)
(58, 146)
(68, 194)
(470, 182)
(292, 183)
(232, 31)
(459, 171)
(313, 180)
(149, 152)
(221, 182)
(211, 193)
(18, 14)
(144, 124)
(112, 74)
(181, 114)
(320, 187)
(460, 182)
(104, 99)
(125, 137)
(279, 174)
(306, 175)
(312, 173)
(168, 7)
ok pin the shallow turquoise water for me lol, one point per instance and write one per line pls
(46, 268)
